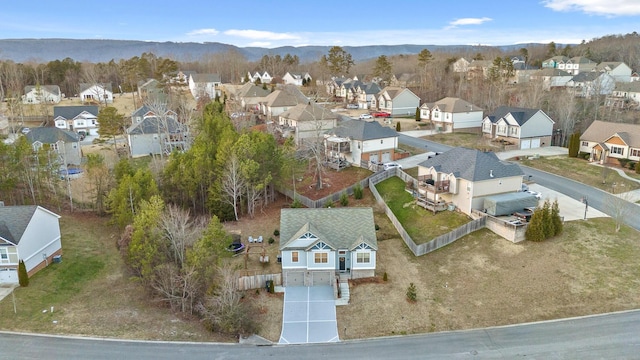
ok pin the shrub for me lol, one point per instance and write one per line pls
(296, 203)
(328, 204)
(276, 232)
(632, 165)
(358, 192)
(412, 295)
(398, 127)
(344, 199)
(271, 240)
(377, 227)
(555, 217)
(23, 276)
(385, 277)
(637, 169)
(624, 162)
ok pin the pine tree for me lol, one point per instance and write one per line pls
(23, 276)
(555, 218)
(417, 114)
(535, 229)
(547, 222)
(398, 126)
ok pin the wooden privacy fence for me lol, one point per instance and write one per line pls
(436, 243)
(258, 281)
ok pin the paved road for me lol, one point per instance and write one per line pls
(596, 198)
(596, 337)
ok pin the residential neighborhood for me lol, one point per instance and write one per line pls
(280, 201)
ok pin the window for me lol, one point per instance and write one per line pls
(635, 152)
(294, 256)
(321, 258)
(363, 257)
(617, 150)
(585, 143)
(3, 254)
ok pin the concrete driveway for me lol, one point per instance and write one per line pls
(570, 209)
(309, 315)
(6, 289)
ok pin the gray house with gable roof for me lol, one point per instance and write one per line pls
(65, 144)
(523, 128)
(153, 134)
(361, 142)
(317, 244)
(464, 177)
(29, 233)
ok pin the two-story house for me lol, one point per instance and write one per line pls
(361, 143)
(594, 83)
(205, 85)
(79, 119)
(608, 141)
(155, 132)
(297, 79)
(464, 177)
(618, 70)
(522, 127)
(366, 93)
(306, 122)
(398, 101)
(450, 114)
(64, 144)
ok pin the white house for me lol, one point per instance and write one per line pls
(450, 114)
(262, 78)
(398, 101)
(201, 85)
(361, 143)
(29, 233)
(41, 94)
(464, 177)
(83, 118)
(620, 71)
(99, 93)
(366, 93)
(65, 144)
(306, 122)
(318, 244)
(522, 127)
(628, 91)
(296, 79)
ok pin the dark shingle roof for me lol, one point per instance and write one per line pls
(51, 135)
(362, 130)
(472, 165)
(53, 89)
(340, 228)
(69, 112)
(206, 78)
(154, 125)
(521, 115)
(14, 221)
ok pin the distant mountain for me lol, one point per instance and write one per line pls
(45, 50)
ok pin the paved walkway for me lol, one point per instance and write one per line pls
(309, 315)
(631, 196)
(6, 289)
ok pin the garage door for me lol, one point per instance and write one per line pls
(535, 143)
(386, 157)
(525, 144)
(321, 278)
(9, 276)
(294, 278)
(373, 158)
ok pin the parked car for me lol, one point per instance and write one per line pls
(352, 106)
(365, 116)
(379, 114)
(25, 130)
(537, 194)
(392, 165)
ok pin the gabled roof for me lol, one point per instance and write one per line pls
(633, 86)
(472, 165)
(341, 228)
(551, 72)
(252, 91)
(51, 135)
(86, 86)
(608, 65)
(52, 89)
(309, 112)
(586, 76)
(370, 88)
(70, 112)
(206, 78)
(601, 131)
(581, 60)
(558, 59)
(455, 105)
(520, 115)
(155, 125)
(145, 110)
(280, 98)
(362, 130)
(14, 221)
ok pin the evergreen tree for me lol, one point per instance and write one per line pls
(555, 218)
(398, 127)
(23, 276)
(547, 221)
(417, 114)
(574, 144)
(535, 229)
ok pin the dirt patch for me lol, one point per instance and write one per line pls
(332, 181)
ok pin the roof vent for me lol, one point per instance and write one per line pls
(490, 173)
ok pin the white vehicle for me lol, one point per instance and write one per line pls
(365, 116)
(392, 165)
(537, 194)
(352, 106)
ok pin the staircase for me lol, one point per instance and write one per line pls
(344, 290)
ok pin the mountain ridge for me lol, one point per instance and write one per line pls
(105, 50)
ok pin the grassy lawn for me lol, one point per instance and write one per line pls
(468, 140)
(422, 225)
(584, 172)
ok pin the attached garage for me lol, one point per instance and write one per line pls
(525, 144)
(386, 157)
(535, 143)
(294, 278)
(8, 276)
(319, 278)
(373, 158)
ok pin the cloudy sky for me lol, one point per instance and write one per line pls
(273, 23)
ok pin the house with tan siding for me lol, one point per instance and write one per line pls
(606, 142)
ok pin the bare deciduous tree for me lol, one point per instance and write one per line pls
(181, 231)
(233, 182)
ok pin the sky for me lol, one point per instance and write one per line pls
(275, 23)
